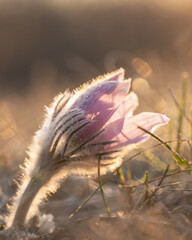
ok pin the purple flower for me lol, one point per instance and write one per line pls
(109, 104)
(97, 118)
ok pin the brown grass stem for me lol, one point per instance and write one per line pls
(157, 178)
(156, 189)
(179, 106)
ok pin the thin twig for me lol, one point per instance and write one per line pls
(157, 178)
(183, 190)
(164, 175)
(188, 141)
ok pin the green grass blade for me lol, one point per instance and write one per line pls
(121, 176)
(180, 117)
(146, 176)
(178, 158)
(170, 128)
(101, 187)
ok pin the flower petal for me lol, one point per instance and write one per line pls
(126, 108)
(149, 121)
(103, 93)
(100, 103)
(126, 132)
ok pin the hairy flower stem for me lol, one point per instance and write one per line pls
(26, 200)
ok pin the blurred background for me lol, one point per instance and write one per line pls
(49, 45)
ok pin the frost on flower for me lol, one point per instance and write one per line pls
(96, 118)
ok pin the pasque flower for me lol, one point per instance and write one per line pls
(95, 119)
(109, 104)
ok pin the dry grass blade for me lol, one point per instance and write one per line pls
(179, 106)
(191, 129)
(179, 159)
(164, 175)
(101, 188)
(191, 123)
(156, 189)
(174, 184)
(158, 178)
(188, 141)
(182, 190)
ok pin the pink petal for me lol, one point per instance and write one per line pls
(100, 102)
(126, 132)
(104, 93)
(126, 108)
